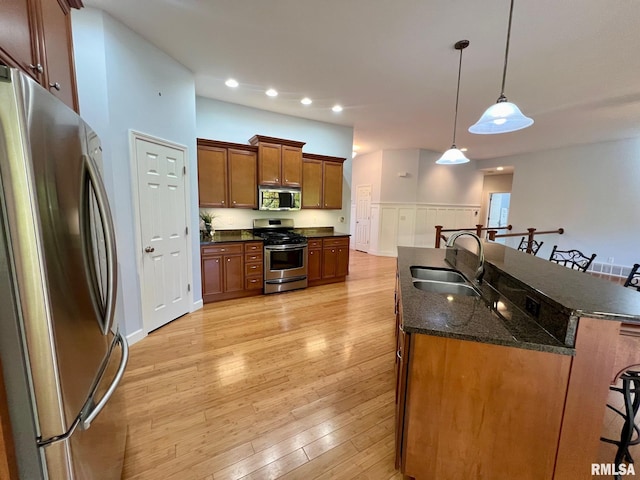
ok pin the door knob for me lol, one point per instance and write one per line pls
(149, 249)
(55, 85)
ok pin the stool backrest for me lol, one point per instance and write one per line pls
(574, 259)
(532, 246)
(633, 280)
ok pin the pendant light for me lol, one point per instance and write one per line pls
(503, 116)
(453, 156)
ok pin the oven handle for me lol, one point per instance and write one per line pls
(297, 246)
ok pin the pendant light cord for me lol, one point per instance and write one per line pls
(455, 118)
(506, 56)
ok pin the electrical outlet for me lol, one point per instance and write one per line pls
(532, 306)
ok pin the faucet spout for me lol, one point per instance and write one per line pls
(480, 270)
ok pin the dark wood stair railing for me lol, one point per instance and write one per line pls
(530, 233)
(477, 230)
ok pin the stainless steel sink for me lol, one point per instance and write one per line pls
(437, 274)
(451, 288)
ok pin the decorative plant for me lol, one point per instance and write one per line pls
(207, 217)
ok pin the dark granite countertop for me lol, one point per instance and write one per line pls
(222, 236)
(466, 317)
(578, 294)
(320, 232)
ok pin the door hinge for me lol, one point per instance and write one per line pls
(184, 169)
(186, 230)
(188, 287)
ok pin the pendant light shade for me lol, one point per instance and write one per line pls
(503, 116)
(453, 156)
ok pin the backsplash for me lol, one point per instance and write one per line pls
(242, 218)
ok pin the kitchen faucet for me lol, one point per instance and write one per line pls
(480, 270)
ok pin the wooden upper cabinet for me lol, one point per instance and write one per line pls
(35, 36)
(18, 38)
(322, 181)
(243, 189)
(279, 161)
(57, 45)
(332, 186)
(227, 175)
(311, 183)
(269, 163)
(212, 176)
(291, 166)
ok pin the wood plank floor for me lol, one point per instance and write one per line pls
(294, 385)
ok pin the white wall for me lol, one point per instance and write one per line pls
(589, 190)
(367, 170)
(126, 83)
(229, 122)
(394, 187)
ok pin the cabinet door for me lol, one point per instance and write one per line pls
(212, 176)
(342, 259)
(17, 35)
(212, 275)
(314, 264)
(269, 156)
(233, 273)
(311, 183)
(291, 166)
(402, 362)
(332, 188)
(58, 48)
(329, 262)
(243, 190)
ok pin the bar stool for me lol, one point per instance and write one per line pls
(574, 259)
(633, 280)
(630, 433)
(531, 247)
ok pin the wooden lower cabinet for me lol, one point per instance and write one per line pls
(231, 270)
(327, 260)
(475, 410)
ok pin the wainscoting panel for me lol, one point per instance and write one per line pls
(413, 225)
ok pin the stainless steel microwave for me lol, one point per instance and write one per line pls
(270, 198)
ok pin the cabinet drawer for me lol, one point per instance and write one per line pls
(253, 257)
(250, 247)
(253, 283)
(253, 269)
(336, 242)
(314, 242)
(222, 248)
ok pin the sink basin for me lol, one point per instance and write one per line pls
(446, 287)
(437, 274)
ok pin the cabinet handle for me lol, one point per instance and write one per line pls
(55, 85)
(223, 202)
(276, 179)
(222, 250)
(234, 202)
(228, 259)
(399, 354)
(217, 261)
(36, 68)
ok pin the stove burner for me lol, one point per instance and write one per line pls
(281, 238)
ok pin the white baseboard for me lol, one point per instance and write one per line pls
(136, 336)
(197, 306)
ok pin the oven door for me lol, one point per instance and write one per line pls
(285, 262)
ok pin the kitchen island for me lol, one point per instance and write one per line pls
(509, 383)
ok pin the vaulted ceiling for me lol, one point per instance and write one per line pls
(392, 66)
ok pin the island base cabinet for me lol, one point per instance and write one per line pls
(476, 410)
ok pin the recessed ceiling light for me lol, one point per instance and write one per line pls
(306, 101)
(231, 83)
(500, 169)
(337, 108)
(271, 92)
(464, 149)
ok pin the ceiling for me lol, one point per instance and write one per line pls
(392, 65)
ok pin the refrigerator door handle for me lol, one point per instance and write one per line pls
(97, 408)
(110, 242)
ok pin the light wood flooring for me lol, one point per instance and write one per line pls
(293, 385)
(297, 385)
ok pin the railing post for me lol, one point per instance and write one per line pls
(492, 235)
(530, 238)
(478, 230)
(438, 235)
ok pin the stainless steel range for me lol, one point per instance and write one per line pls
(285, 254)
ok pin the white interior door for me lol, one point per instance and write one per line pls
(363, 217)
(163, 231)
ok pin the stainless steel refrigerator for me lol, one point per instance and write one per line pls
(61, 353)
